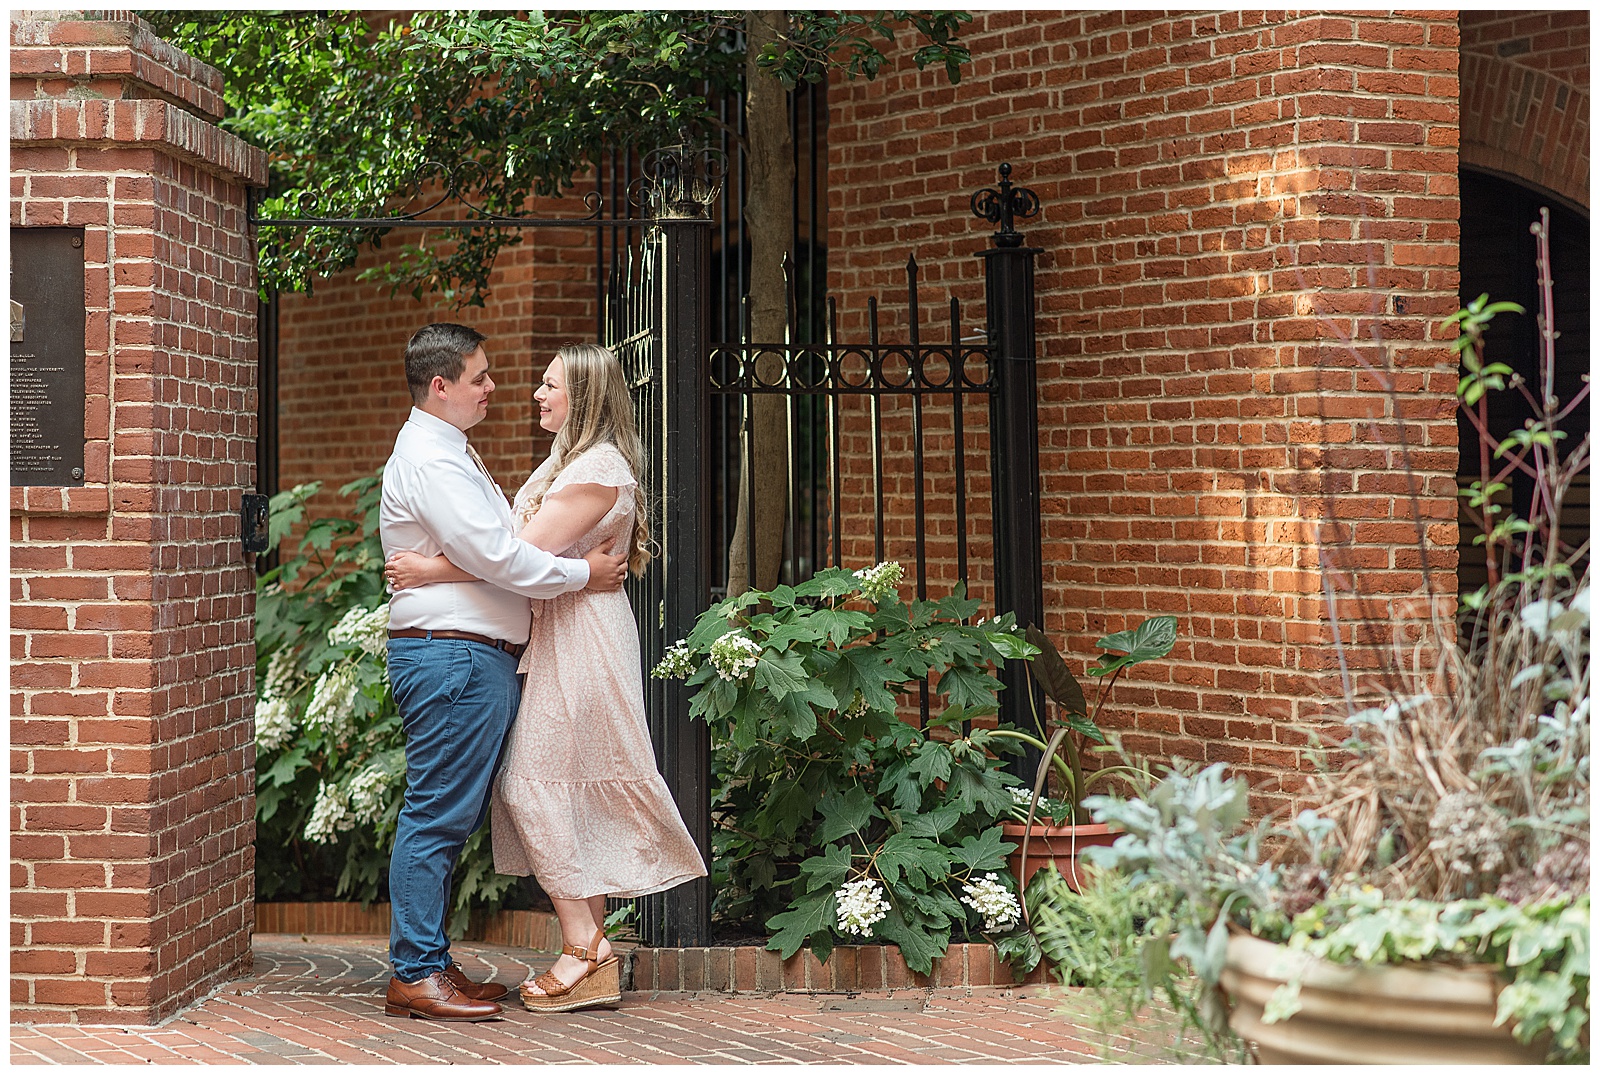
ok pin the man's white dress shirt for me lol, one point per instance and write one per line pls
(437, 498)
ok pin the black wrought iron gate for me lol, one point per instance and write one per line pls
(686, 387)
(656, 323)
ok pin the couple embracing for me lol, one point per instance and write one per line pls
(484, 592)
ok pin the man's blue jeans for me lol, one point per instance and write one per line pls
(457, 700)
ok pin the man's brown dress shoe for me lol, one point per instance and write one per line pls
(475, 990)
(436, 997)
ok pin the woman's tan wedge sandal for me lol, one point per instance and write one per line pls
(600, 984)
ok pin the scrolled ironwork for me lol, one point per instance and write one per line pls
(679, 182)
(1004, 206)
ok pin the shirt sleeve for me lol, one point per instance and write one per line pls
(471, 533)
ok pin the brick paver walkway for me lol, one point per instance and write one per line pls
(318, 1000)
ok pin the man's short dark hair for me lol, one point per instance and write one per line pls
(438, 350)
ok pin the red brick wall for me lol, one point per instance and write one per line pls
(1525, 98)
(132, 792)
(341, 373)
(1225, 197)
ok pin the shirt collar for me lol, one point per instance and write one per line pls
(437, 427)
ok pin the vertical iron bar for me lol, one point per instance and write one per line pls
(919, 511)
(875, 377)
(835, 370)
(686, 743)
(914, 367)
(958, 419)
(1014, 440)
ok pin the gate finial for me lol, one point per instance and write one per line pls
(681, 182)
(1001, 206)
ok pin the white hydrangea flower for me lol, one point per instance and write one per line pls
(993, 901)
(274, 722)
(734, 655)
(880, 581)
(1022, 796)
(368, 794)
(857, 707)
(368, 629)
(333, 701)
(329, 816)
(279, 680)
(677, 664)
(860, 904)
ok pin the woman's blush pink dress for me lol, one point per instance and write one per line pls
(578, 802)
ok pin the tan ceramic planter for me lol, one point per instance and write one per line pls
(1059, 845)
(1369, 1015)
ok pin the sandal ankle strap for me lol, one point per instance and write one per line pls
(578, 951)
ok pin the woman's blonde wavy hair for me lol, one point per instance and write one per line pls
(599, 411)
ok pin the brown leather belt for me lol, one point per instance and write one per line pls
(513, 648)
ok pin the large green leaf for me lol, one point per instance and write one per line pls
(1057, 681)
(932, 762)
(901, 787)
(844, 814)
(780, 674)
(828, 870)
(985, 851)
(1153, 638)
(919, 945)
(968, 686)
(922, 861)
(809, 918)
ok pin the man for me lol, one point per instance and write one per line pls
(453, 650)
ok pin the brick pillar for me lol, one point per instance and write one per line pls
(132, 659)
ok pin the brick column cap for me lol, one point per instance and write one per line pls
(158, 123)
(97, 48)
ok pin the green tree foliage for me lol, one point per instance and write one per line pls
(361, 116)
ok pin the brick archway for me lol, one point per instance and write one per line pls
(1524, 103)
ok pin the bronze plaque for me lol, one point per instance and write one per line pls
(46, 356)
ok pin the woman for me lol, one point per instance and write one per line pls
(578, 801)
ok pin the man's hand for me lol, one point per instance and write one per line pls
(606, 572)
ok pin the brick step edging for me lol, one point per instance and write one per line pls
(865, 968)
(538, 930)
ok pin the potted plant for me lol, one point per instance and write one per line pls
(1069, 830)
(1432, 903)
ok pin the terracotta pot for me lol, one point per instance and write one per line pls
(1059, 845)
(1406, 1014)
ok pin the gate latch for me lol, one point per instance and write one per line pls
(253, 512)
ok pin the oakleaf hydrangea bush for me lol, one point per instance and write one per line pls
(835, 819)
(330, 751)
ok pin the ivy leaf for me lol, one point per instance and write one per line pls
(810, 918)
(844, 814)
